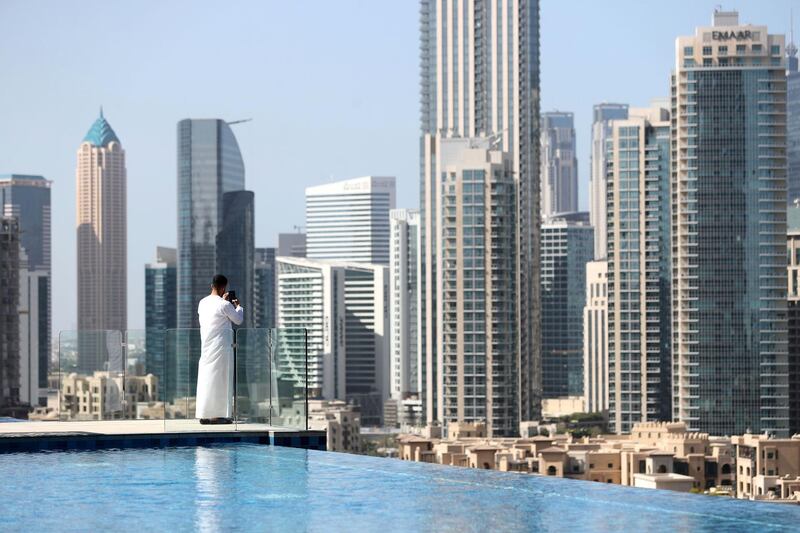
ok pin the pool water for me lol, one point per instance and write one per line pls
(250, 487)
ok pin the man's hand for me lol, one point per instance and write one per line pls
(235, 302)
(225, 296)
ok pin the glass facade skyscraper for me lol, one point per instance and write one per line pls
(729, 229)
(209, 165)
(266, 286)
(236, 249)
(9, 316)
(793, 121)
(567, 245)
(160, 282)
(638, 224)
(793, 253)
(27, 198)
(559, 172)
(479, 78)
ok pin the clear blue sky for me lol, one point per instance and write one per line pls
(331, 86)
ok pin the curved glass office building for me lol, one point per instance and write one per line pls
(209, 165)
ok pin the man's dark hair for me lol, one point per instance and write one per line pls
(219, 282)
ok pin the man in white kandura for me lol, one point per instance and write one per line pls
(214, 384)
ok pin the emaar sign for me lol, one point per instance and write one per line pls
(735, 35)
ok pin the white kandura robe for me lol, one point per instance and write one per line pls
(215, 371)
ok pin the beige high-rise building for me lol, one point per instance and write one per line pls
(102, 230)
(479, 78)
(475, 376)
(595, 338)
(638, 251)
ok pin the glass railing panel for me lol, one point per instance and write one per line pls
(90, 378)
(253, 362)
(144, 374)
(181, 356)
(297, 373)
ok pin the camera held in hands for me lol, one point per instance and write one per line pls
(231, 296)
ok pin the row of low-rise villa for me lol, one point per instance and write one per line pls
(659, 455)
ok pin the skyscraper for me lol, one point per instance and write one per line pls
(729, 229)
(236, 249)
(595, 338)
(639, 249)
(479, 77)
(567, 245)
(476, 292)
(160, 315)
(27, 198)
(349, 220)
(602, 115)
(209, 165)
(9, 316)
(559, 172)
(264, 307)
(404, 286)
(102, 242)
(793, 120)
(33, 316)
(344, 309)
(793, 249)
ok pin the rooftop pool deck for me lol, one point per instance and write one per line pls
(244, 487)
(92, 435)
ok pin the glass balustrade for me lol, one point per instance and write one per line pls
(152, 375)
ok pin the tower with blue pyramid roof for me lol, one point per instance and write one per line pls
(101, 133)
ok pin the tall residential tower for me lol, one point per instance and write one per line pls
(729, 229)
(602, 115)
(639, 319)
(404, 301)
(479, 78)
(793, 121)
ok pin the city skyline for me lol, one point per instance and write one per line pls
(145, 119)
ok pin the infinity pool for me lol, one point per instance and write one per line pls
(251, 487)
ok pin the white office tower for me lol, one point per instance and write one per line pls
(601, 127)
(595, 339)
(403, 280)
(344, 307)
(349, 220)
(32, 304)
(479, 78)
(559, 164)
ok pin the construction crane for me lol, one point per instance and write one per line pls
(239, 121)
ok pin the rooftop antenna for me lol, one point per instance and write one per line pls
(239, 121)
(101, 110)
